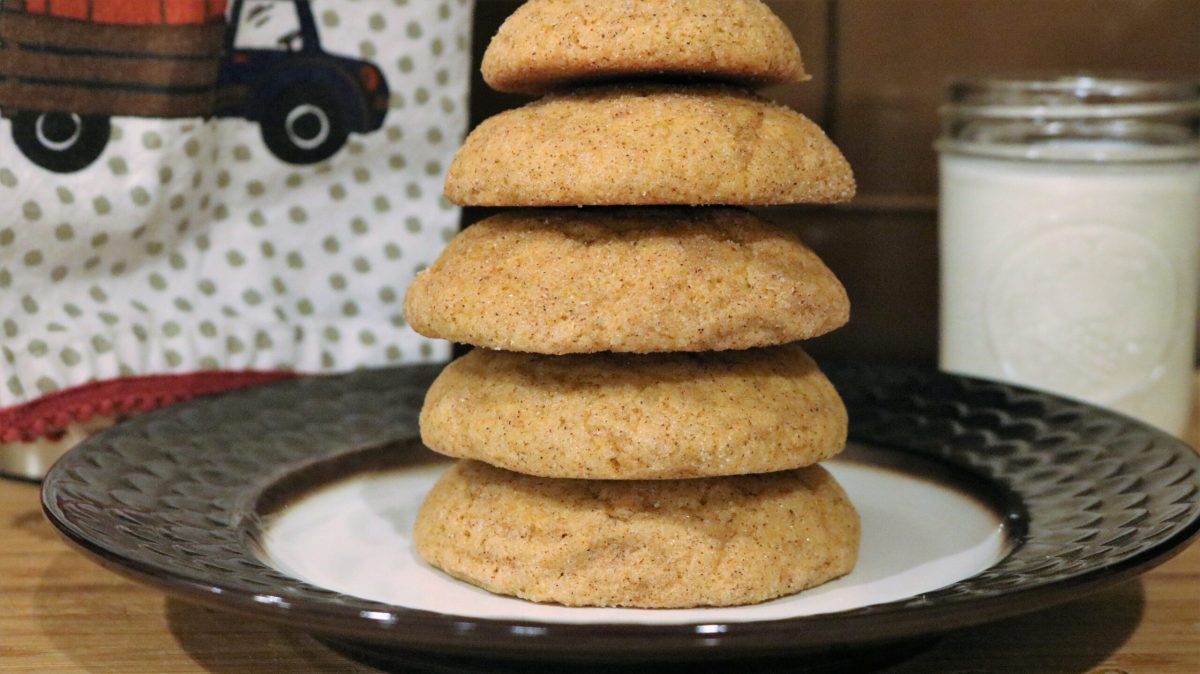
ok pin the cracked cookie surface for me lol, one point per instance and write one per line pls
(626, 280)
(674, 544)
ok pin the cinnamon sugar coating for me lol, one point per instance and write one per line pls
(644, 417)
(547, 44)
(629, 280)
(649, 145)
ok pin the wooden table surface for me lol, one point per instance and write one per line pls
(59, 612)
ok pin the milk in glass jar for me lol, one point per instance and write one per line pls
(1070, 228)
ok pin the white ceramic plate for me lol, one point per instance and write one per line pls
(920, 532)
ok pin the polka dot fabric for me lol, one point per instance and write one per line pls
(188, 246)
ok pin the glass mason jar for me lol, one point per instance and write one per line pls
(1070, 229)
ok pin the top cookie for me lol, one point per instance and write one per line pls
(649, 146)
(547, 44)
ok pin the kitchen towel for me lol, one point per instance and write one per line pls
(161, 238)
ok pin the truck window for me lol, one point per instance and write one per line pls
(268, 24)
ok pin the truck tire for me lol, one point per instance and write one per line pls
(304, 125)
(63, 142)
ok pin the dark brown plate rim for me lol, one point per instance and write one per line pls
(1095, 498)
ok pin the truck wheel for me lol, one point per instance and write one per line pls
(304, 126)
(63, 142)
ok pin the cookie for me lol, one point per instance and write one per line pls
(647, 417)
(649, 145)
(627, 280)
(738, 41)
(674, 544)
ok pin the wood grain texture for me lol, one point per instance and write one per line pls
(59, 612)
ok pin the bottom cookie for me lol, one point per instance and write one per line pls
(643, 544)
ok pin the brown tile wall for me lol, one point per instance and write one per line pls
(879, 68)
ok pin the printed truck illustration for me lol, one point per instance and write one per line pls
(68, 66)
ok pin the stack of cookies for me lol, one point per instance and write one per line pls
(639, 427)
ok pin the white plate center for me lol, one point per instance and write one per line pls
(920, 532)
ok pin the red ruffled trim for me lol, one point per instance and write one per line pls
(53, 413)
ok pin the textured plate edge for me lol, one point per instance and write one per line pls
(557, 641)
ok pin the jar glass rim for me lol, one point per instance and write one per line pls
(1075, 118)
(1071, 96)
(1083, 88)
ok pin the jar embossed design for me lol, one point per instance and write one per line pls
(1070, 228)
